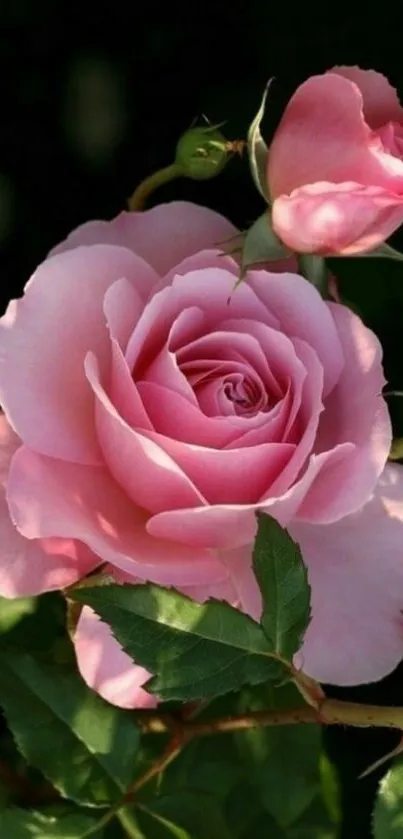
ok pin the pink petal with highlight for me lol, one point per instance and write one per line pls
(142, 468)
(106, 668)
(381, 102)
(355, 571)
(50, 498)
(355, 412)
(163, 236)
(44, 338)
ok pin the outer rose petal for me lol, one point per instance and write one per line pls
(122, 307)
(50, 498)
(43, 388)
(323, 121)
(343, 218)
(106, 667)
(26, 567)
(33, 567)
(381, 102)
(163, 236)
(355, 570)
(355, 412)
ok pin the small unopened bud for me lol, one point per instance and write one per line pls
(202, 152)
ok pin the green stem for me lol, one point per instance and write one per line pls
(314, 269)
(149, 185)
(129, 824)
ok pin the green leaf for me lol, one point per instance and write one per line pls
(283, 582)
(261, 244)
(157, 827)
(83, 745)
(208, 764)
(22, 824)
(12, 611)
(194, 650)
(258, 152)
(187, 815)
(285, 766)
(36, 627)
(388, 812)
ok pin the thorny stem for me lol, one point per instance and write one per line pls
(328, 712)
(324, 711)
(168, 755)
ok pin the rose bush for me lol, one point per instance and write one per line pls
(149, 412)
(335, 170)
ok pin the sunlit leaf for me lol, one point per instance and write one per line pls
(283, 581)
(23, 824)
(194, 650)
(12, 611)
(83, 745)
(388, 812)
(285, 765)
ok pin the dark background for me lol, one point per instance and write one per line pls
(94, 97)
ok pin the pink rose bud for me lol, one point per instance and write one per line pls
(335, 170)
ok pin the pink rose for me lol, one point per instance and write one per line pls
(154, 411)
(335, 170)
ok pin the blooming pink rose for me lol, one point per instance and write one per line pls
(155, 411)
(335, 169)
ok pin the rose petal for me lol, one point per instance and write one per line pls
(174, 416)
(122, 308)
(33, 567)
(123, 391)
(163, 368)
(216, 473)
(50, 498)
(344, 218)
(106, 668)
(309, 405)
(239, 564)
(381, 102)
(213, 258)
(28, 568)
(355, 571)
(228, 526)
(355, 412)
(146, 473)
(43, 388)
(324, 121)
(163, 236)
(231, 347)
(301, 313)
(208, 289)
